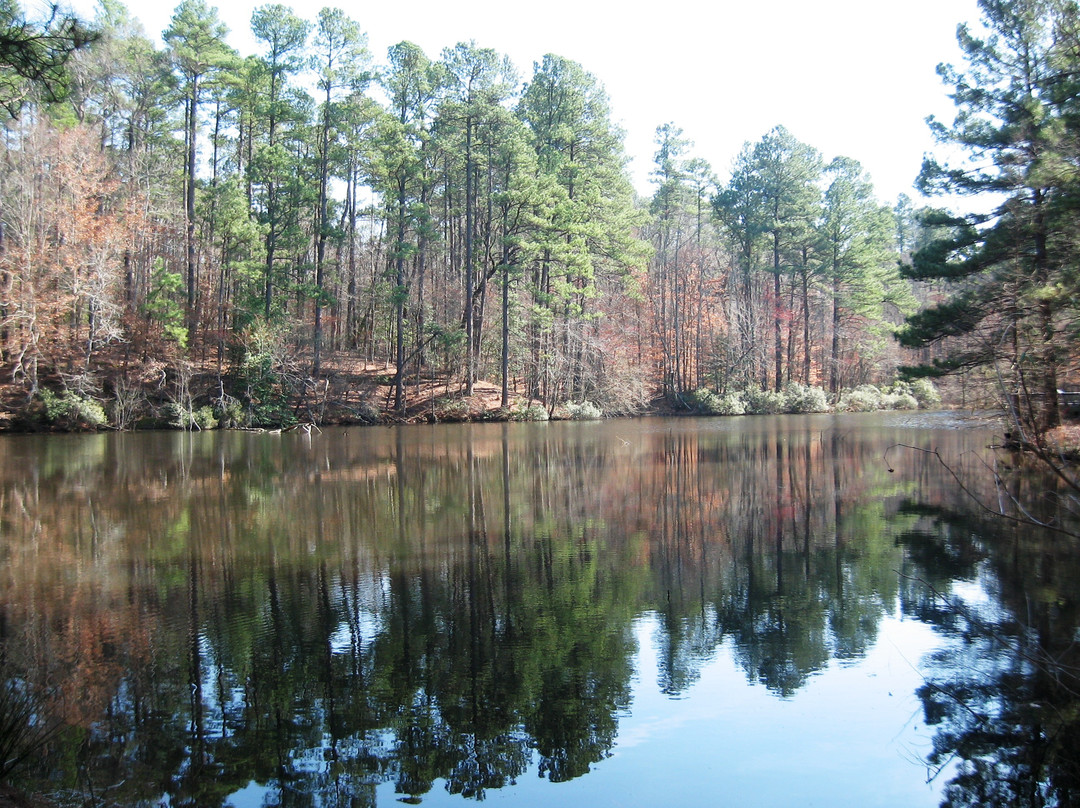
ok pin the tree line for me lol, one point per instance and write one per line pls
(191, 218)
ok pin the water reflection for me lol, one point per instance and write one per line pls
(1004, 689)
(453, 607)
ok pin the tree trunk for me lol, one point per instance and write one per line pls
(834, 357)
(320, 239)
(806, 321)
(470, 356)
(777, 325)
(189, 206)
(504, 369)
(399, 300)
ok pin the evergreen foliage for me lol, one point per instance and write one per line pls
(72, 410)
(1009, 271)
(34, 55)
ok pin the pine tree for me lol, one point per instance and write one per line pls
(1016, 104)
(284, 36)
(771, 203)
(196, 38)
(342, 68)
(34, 55)
(479, 80)
(856, 243)
(590, 237)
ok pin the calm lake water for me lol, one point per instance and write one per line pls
(744, 611)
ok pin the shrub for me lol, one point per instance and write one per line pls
(703, 400)
(621, 390)
(90, 412)
(585, 411)
(730, 404)
(864, 398)
(129, 400)
(707, 402)
(925, 393)
(456, 409)
(799, 398)
(265, 377)
(230, 413)
(899, 401)
(72, 410)
(763, 402)
(55, 406)
(528, 412)
(368, 413)
(191, 419)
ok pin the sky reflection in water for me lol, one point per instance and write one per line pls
(726, 743)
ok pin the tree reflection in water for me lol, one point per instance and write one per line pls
(1004, 691)
(455, 607)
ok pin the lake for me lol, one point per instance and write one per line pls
(776, 611)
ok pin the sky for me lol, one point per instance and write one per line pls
(849, 77)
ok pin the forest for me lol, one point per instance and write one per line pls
(314, 234)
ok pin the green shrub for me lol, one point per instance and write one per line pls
(911, 395)
(585, 411)
(798, 398)
(90, 412)
(263, 374)
(703, 400)
(230, 413)
(730, 404)
(191, 419)
(267, 405)
(528, 412)
(205, 418)
(707, 402)
(55, 406)
(864, 398)
(72, 410)
(899, 401)
(925, 393)
(763, 402)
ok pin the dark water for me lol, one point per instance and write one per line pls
(766, 611)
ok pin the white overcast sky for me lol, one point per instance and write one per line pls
(849, 77)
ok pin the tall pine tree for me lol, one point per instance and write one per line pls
(1016, 105)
